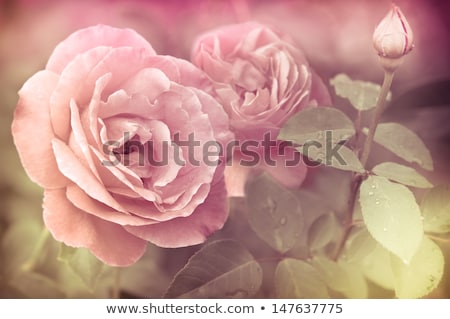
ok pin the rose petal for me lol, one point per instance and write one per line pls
(181, 232)
(95, 36)
(70, 166)
(32, 131)
(78, 141)
(150, 82)
(71, 85)
(89, 205)
(109, 242)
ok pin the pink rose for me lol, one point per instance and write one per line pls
(261, 79)
(87, 129)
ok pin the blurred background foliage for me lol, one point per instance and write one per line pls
(336, 37)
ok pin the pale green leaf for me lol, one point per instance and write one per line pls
(222, 269)
(298, 279)
(337, 156)
(83, 264)
(436, 210)
(362, 95)
(357, 285)
(322, 231)
(74, 287)
(401, 174)
(391, 215)
(359, 244)
(317, 124)
(422, 275)
(377, 268)
(332, 274)
(342, 277)
(404, 143)
(275, 213)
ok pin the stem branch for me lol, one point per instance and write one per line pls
(358, 178)
(379, 109)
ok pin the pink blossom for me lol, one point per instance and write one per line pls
(261, 79)
(101, 89)
(393, 37)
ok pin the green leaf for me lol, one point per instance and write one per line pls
(359, 244)
(435, 208)
(362, 95)
(331, 273)
(404, 143)
(401, 174)
(337, 156)
(422, 275)
(322, 231)
(377, 268)
(357, 284)
(391, 215)
(312, 124)
(221, 269)
(275, 213)
(83, 264)
(298, 279)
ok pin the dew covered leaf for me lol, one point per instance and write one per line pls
(391, 215)
(221, 269)
(312, 124)
(401, 174)
(362, 95)
(435, 207)
(404, 143)
(275, 213)
(422, 275)
(298, 279)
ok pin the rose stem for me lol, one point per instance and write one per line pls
(379, 109)
(358, 178)
(30, 264)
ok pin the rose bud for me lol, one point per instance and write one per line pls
(393, 38)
